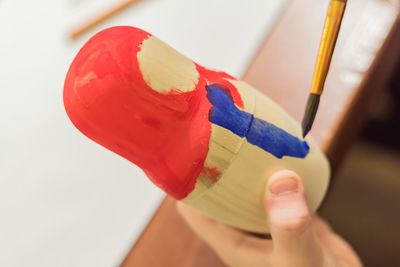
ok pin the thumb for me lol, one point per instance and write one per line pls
(290, 223)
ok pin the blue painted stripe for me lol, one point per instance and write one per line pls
(258, 132)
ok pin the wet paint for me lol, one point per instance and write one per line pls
(258, 132)
(166, 135)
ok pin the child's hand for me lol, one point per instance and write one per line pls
(298, 239)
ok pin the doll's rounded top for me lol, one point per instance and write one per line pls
(140, 98)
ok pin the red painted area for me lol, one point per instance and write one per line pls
(107, 99)
(211, 173)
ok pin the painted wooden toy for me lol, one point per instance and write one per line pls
(201, 135)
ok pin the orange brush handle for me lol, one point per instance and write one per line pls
(328, 40)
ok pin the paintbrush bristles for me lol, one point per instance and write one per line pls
(309, 113)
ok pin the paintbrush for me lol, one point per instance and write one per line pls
(327, 45)
(102, 17)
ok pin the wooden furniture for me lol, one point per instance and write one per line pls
(365, 57)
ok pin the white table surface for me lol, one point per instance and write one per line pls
(64, 200)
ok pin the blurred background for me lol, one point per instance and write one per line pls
(363, 204)
(66, 201)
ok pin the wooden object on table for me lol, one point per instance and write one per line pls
(367, 51)
(235, 195)
(201, 135)
(102, 17)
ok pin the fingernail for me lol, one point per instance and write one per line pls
(284, 186)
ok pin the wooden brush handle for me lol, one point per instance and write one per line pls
(108, 14)
(327, 46)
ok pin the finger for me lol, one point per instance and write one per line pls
(335, 244)
(321, 227)
(233, 246)
(290, 222)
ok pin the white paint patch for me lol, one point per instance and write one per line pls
(164, 69)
